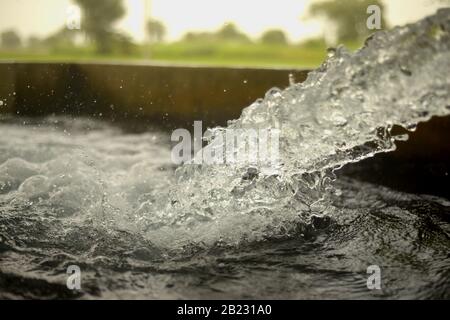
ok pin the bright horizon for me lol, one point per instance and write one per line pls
(42, 17)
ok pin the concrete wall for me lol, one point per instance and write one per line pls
(165, 95)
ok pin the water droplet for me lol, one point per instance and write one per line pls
(411, 127)
(331, 52)
(274, 92)
(291, 79)
(405, 71)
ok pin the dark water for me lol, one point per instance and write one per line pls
(406, 235)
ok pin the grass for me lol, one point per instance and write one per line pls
(240, 54)
(216, 54)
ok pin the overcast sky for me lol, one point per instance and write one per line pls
(41, 17)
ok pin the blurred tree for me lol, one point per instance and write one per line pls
(229, 32)
(33, 42)
(123, 44)
(61, 38)
(10, 40)
(199, 37)
(314, 43)
(156, 31)
(349, 16)
(98, 20)
(61, 41)
(274, 37)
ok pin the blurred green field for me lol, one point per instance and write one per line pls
(218, 54)
(201, 54)
(254, 55)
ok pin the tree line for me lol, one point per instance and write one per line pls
(347, 18)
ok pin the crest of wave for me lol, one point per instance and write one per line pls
(342, 113)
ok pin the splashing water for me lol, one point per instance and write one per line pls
(342, 113)
(67, 195)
